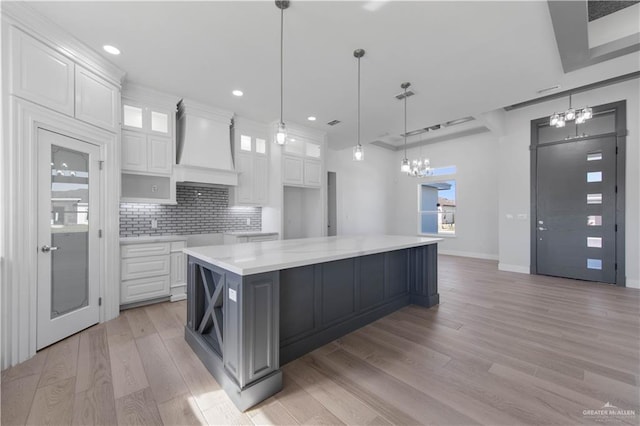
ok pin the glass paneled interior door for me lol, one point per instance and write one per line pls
(68, 226)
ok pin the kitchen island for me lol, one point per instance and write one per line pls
(255, 306)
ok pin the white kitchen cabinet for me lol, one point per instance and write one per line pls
(146, 153)
(151, 271)
(148, 146)
(178, 277)
(40, 74)
(302, 160)
(142, 117)
(134, 151)
(159, 155)
(299, 171)
(46, 77)
(312, 173)
(97, 100)
(145, 272)
(292, 170)
(251, 158)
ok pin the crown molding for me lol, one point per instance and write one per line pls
(24, 17)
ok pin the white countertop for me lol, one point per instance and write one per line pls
(249, 233)
(152, 239)
(267, 256)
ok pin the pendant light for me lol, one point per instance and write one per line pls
(405, 167)
(358, 153)
(281, 133)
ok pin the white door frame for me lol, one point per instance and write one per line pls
(19, 245)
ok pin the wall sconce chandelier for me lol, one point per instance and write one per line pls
(559, 119)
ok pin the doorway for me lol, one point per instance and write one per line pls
(332, 214)
(68, 231)
(577, 191)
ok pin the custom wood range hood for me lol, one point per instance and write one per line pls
(203, 153)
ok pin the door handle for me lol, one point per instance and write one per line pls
(45, 248)
(542, 228)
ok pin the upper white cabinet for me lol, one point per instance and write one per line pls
(251, 159)
(302, 162)
(148, 146)
(146, 118)
(40, 74)
(46, 77)
(97, 100)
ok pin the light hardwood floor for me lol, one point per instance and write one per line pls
(500, 349)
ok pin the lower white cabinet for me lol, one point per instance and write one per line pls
(178, 282)
(152, 270)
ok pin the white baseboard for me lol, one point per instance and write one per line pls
(633, 283)
(176, 297)
(513, 268)
(468, 254)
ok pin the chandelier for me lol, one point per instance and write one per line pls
(420, 167)
(559, 119)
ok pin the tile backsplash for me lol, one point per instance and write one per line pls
(200, 210)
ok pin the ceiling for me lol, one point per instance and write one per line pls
(462, 58)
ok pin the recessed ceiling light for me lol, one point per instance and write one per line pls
(311, 118)
(237, 93)
(111, 49)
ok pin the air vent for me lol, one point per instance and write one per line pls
(407, 94)
(333, 122)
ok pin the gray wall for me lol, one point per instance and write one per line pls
(205, 213)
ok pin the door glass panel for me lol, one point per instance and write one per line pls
(594, 198)
(594, 156)
(594, 263)
(69, 230)
(595, 242)
(261, 146)
(245, 143)
(159, 122)
(132, 116)
(594, 177)
(595, 220)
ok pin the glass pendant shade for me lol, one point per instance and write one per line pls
(587, 113)
(554, 119)
(281, 134)
(358, 153)
(405, 167)
(561, 122)
(570, 114)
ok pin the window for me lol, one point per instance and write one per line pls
(437, 207)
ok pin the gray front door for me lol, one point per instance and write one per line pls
(576, 209)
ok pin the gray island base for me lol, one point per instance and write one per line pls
(254, 307)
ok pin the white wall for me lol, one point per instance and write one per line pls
(363, 190)
(514, 176)
(476, 160)
(302, 212)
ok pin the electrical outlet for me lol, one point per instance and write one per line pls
(154, 223)
(248, 221)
